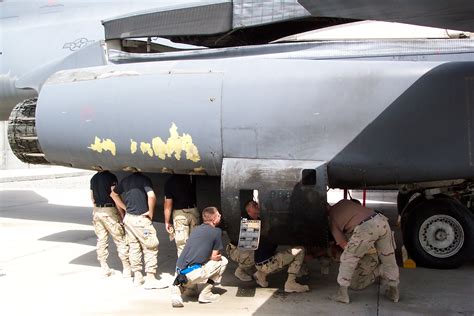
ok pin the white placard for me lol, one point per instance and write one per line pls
(249, 236)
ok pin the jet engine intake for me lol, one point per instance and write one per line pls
(22, 133)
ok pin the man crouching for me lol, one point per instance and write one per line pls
(200, 264)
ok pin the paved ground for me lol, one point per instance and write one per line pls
(48, 266)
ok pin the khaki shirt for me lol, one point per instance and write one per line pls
(344, 216)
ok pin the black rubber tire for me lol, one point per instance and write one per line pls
(425, 209)
(403, 199)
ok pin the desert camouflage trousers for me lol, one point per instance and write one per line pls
(245, 258)
(367, 269)
(141, 236)
(183, 222)
(373, 233)
(291, 257)
(106, 220)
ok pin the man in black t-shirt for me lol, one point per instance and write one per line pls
(180, 198)
(140, 200)
(201, 260)
(107, 220)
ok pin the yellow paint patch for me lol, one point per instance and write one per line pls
(146, 148)
(133, 146)
(103, 145)
(175, 145)
(159, 147)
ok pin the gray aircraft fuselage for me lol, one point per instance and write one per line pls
(368, 119)
(263, 122)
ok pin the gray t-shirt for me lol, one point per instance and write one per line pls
(203, 240)
(134, 190)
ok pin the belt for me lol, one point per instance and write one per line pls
(369, 218)
(105, 205)
(264, 261)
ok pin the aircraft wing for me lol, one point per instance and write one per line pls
(219, 23)
(454, 14)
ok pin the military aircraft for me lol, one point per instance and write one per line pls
(288, 120)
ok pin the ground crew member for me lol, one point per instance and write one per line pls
(367, 270)
(369, 229)
(267, 260)
(139, 204)
(201, 262)
(245, 260)
(107, 219)
(180, 198)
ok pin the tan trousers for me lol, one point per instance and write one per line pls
(366, 271)
(375, 232)
(184, 221)
(245, 258)
(142, 237)
(106, 220)
(211, 270)
(292, 257)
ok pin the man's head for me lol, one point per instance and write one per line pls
(211, 215)
(252, 209)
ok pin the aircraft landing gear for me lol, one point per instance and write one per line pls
(438, 232)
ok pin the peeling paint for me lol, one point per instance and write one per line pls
(133, 146)
(146, 148)
(66, 76)
(173, 147)
(103, 145)
(176, 144)
(159, 147)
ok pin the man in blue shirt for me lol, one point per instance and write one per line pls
(201, 262)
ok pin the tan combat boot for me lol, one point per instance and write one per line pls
(152, 283)
(392, 293)
(292, 286)
(137, 278)
(242, 275)
(341, 295)
(176, 300)
(261, 278)
(206, 296)
(106, 271)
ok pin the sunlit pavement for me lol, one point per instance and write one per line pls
(48, 266)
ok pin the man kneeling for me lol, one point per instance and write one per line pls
(268, 260)
(201, 264)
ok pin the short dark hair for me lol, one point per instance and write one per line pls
(208, 213)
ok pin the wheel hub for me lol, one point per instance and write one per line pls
(441, 236)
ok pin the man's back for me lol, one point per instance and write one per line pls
(199, 246)
(100, 185)
(181, 190)
(135, 188)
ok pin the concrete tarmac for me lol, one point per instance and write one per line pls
(48, 266)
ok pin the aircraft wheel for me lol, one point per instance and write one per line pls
(403, 198)
(439, 233)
